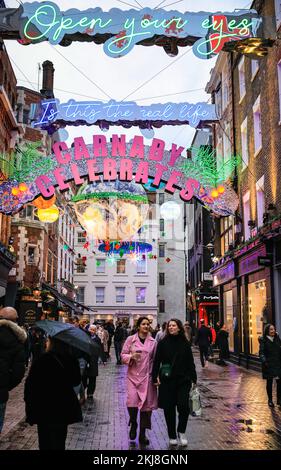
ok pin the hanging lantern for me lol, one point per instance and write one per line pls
(42, 203)
(111, 210)
(48, 215)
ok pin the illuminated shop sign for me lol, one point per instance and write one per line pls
(207, 32)
(123, 113)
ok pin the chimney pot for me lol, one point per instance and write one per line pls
(48, 79)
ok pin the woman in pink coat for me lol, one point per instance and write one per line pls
(138, 353)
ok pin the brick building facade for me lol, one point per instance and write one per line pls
(248, 273)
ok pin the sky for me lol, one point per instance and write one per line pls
(123, 76)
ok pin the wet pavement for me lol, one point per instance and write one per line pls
(235, 415)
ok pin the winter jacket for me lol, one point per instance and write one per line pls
(222, 342)
(12, 357)
(270, 355)
(204, 337)
(49, 395)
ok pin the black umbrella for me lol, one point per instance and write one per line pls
(70, 335)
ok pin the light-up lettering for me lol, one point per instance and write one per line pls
(91, 112)
(46, 22)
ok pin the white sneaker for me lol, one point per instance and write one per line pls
(182, 440)
(173, 442)
(206, 364)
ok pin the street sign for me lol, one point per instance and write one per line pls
(265, 261)
(207, 277)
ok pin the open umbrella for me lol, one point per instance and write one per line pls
(70, 335)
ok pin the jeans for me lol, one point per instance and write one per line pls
(2, 415)
(269, 383)
(182, 405)
(89, 384)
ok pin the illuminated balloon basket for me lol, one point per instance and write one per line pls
(111, 210)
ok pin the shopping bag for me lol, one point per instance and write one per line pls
(195, 401)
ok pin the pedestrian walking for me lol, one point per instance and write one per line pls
(213, 342)
(119, 337)
(222, 342)
(111, 329)
(203, 340)
(103, 336)
(50, 399)
(161, 333)
(138, 354)
(188, 331)
(174, 371)
(37, 343)
(12, 356)
(92, 368)
(270, 355)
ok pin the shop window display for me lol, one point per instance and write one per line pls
(228, 317)
(257, 303)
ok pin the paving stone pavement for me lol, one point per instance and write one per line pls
(235, 415)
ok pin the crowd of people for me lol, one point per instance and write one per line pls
(161, 372)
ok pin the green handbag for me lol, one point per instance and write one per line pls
(166, 371)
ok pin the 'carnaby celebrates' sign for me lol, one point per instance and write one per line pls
(104, 114)
(113, 159)
(208, 32)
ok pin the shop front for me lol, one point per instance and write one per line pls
(128, 316)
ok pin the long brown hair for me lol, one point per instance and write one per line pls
(180, 326)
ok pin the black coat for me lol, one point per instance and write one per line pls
(270, 355)
(49, 395)
(12, 357)
(222, 342)
(204, 337)
(174, 350)
(92, 367)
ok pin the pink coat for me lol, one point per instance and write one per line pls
(142, 393)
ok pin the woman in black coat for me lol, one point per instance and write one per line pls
(222, 343)
(270, 355)
(174, 354)
(50, 400)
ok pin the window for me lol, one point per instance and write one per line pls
(81, 269)
(162, 225)
(244, 143)
(28, 213)
(161, 198)
(31, 255)
(100, 295)
(100, 267)
(226, 144)
(141, 266)
(218, 101)
(161, 279)
(278, 12)
(246, 215)
(121, 266)
(260, 200)
(81, 237)
(242, 80)
(81, 295)
(120, 294)
(226, 233)
(140, 295)
(256, 309)
(255, 68)
(228, 316)
(161, 306)
(225, 90)
(219, 152)
(257, 126)
(161, 251)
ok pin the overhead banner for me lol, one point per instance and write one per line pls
(52, 113)
(121, 30)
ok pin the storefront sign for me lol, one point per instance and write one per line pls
(207, 277)
(250, 263)
(265, 261)
(208, 32)
(209, 298)
(114, 113)
(224, 275)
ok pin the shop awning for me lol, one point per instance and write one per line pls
(73, 305)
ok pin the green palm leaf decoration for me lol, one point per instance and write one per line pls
(205, 166)
(27, 163)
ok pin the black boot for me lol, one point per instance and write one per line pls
(142, 437)
(133, 431)
(133, 413)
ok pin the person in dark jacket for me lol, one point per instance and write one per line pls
(50, 399)
(12, 356)
(119, 338)
(204, 340)
(174, 352)
(270, 355)
(92, 368)
(222, 342)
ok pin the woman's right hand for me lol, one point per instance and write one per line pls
(135, 356)
(157, 383)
